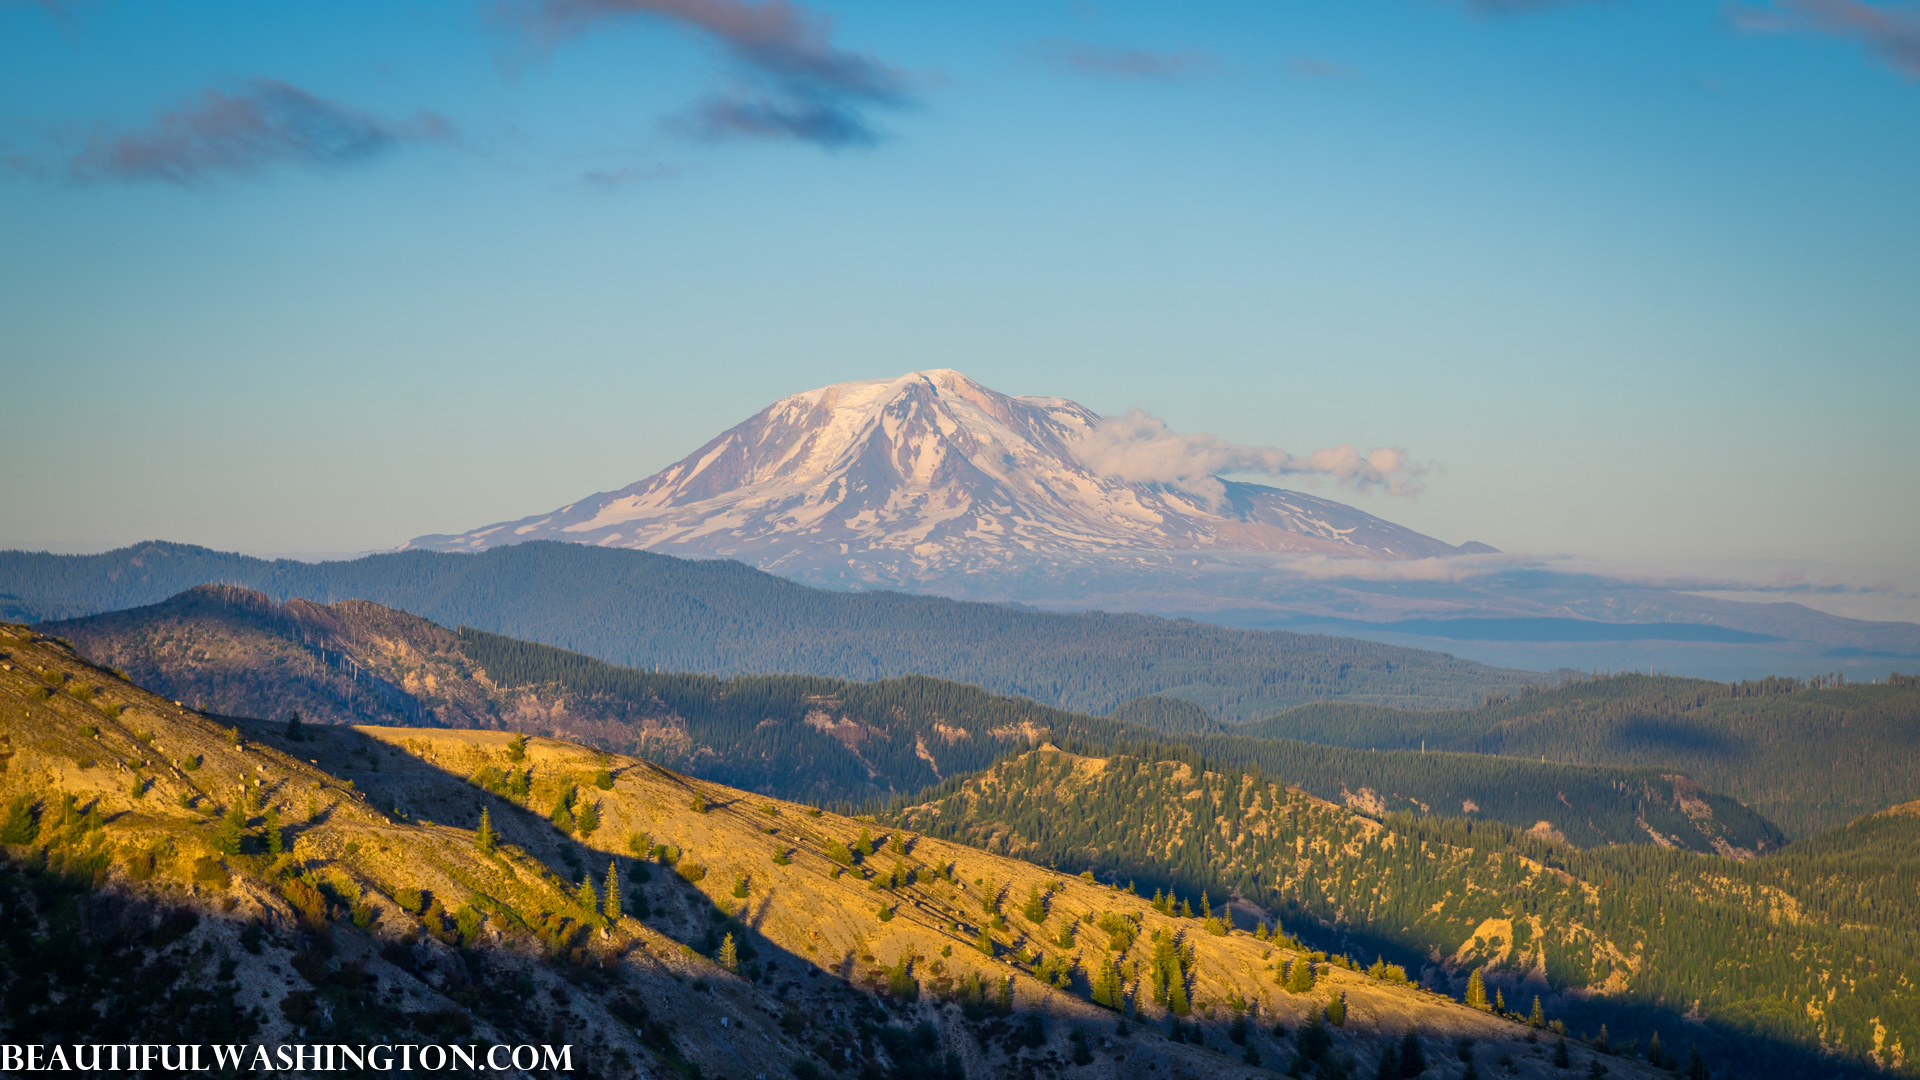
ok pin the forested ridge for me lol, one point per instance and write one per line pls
(833, 741)
(725, 618)
(1808, 755)
(911, 732)
(1771, 959)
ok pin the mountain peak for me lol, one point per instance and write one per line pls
(931, 474)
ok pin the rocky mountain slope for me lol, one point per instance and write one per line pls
(933, 474)
(1798, 963)
(235, 652)
(171, 879)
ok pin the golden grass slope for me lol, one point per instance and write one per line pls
(371, 813)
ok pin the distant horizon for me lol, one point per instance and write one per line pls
(1631, 284)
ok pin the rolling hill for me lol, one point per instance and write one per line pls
(168, 878)
(236, 652)
(722, 618)
(1809, 755)
(1792, 964)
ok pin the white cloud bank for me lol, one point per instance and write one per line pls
(1139, 448)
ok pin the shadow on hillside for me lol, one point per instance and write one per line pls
(388, 777)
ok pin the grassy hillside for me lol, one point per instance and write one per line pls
(829, 740)
(1777, 961)
(171, 879)
(1808, 757)
(724, 618)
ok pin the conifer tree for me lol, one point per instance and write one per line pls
(984, 942)
(517, 748)
(275, 842)
(1500, 1002)
(585, 898)
(1035, 909)
(895, 844)
(1337, 1009)
(586, 817)
(1389, 1067)
(1186, 909)
(1260, 932)
(1476, 991)
(1159, 902)
(1413, 1060)
(610, 907)
(1697, 1065)
(1206, 906)
(1655, 1052)
(1537, 1018)
(562, 815)
(740, 887)
(864, 845)
(1177, 993)
(483, 837)
(729, 955)
(295, 732)
(1601, 1042)
(233, 831)
(1300, 975)
(1106, 983)
(1561, 1058)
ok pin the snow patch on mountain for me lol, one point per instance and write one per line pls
(932, 474)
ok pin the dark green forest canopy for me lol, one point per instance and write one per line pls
(725, 618)
(897, 729)
(1807, 756)
(1815, 943)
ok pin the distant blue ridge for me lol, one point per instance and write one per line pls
(1552, 629)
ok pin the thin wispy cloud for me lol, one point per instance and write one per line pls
(1890, 32)
(263, 125)
(796, 83)
(1139, 448)
(1083, 58)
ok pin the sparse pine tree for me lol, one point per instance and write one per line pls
(1389, 1066)
(1186, 909)
(610, 907)
(1206, 905)
(1697, 1065)
(1656, 1053)
(984, 942)
(1476, 991)
(1159, 901)
(1300, 975)
(1035, 909)
(586, 817)
(1601, 1042)
(1537, 1018)
(275, 842)
(896, 844)
(1177, 994)
(1561, 1058)
(585, 898)
(740, 887)
(233, 831)
(295, 731)
(1337, 1009)
(562, 815)
(517, 748)
(1500, 1002)
(864, 845)
(483, 838)
(1260, 932)
(729, 955)
(990, 897)
(1413, 1060)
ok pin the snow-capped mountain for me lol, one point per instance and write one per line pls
(932, 475)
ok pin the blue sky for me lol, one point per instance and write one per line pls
(1637, 278)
